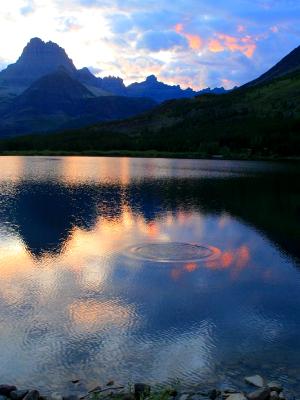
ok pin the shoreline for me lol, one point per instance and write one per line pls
(147, 154)
(257, 388)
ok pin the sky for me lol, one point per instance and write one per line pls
(194, 43)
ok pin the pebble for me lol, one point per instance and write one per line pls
(271, 391)
(259, 394)
(255, 380)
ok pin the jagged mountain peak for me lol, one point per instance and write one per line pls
(37, 53)
(38, 58)
(151, 79)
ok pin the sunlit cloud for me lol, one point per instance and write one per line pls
(194, 43)
(222, 42)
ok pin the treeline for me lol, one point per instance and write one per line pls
(243, 136)
(256, 121)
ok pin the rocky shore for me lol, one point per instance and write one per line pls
(259, 389)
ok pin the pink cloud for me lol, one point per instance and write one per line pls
(221, 42)
(195, 41)
(245, 44)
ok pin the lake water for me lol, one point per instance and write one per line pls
(149, 270)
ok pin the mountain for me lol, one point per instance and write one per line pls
(37, 59)
(262, 120)
(90, 81)
(219, 90)
(40, 58)
(290, 63)
(57, 101)
(161, 92)
(158, 91)
(106, 86)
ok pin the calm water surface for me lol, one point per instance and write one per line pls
(148, 270)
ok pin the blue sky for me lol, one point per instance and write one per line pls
(196, 43)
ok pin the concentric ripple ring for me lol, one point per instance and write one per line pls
(171, 252)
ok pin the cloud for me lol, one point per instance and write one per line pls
(121, 23)
(95, 70)
(157, 41)
(222, 42)
(195, 41)
(28, 8)
(69, 24)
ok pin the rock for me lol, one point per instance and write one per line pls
(236, 396)
(230, 390)
(213, 394)
(110, 383)
(18, 394)
(172, 392)
(5, 390)
(95, 389)
(128, 396)
(75, 381)
(183, 396)
(274, 395)
(70, 397)
(56, 396)
(32, 395)
(141, 390)
(275, 386)
(259, 394)
(196, 397)
(255, 380)
(281, 396)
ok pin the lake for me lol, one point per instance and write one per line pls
(151, 270)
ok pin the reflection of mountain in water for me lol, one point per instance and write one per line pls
(45, 213)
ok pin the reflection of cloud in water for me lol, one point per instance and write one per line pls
(71, 302)
(92, 315)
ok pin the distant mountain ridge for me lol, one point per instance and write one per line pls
(58, 101)
(44, 92)
(40, 58)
